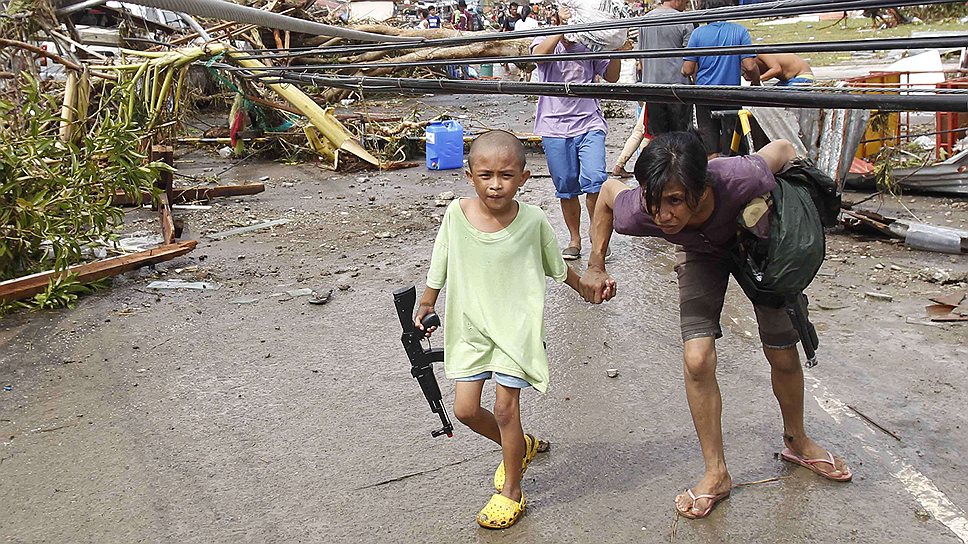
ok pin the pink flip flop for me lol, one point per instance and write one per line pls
(845, 475)
(713, 499)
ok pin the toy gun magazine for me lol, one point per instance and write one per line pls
(422, 359)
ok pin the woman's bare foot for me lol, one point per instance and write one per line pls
(806, 449)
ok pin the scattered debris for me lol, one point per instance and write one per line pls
(879, 296)
(250, 228)
(303, 292)
(949, 308)
(942, 276)
(319, 300)
(612, 372)
(948, 177)
(915, 234)
(874, 423)
(182, 284)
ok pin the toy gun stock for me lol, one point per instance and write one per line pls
(422, 359)
(796, 308)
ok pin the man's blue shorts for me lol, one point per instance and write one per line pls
(799, 81)
(506, 380)
(576, 164)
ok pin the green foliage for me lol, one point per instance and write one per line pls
(55, 196)
(62, 292)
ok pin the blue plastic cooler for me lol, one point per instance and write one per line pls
(445, 145)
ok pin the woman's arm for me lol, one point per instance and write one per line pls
(777, 154)
(596, 285)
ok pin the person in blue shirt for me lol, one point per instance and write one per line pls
(718, 70)
(434, 20)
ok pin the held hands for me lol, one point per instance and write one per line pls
(596, 286)
(422, 312)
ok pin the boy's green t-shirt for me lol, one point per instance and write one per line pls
(494, 311)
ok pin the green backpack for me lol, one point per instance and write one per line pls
(774, 271)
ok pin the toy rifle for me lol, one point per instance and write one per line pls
(796, 308)
(422, 359)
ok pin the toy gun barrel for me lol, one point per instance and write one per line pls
(421, 360)
(797, 310)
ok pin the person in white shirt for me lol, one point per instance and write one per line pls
(527, 20)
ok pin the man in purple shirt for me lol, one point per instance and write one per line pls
(697, 207)
(573, 130)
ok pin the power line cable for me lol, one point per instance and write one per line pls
(766, 9)
(933, 42)
(955, 100)
(227, 11)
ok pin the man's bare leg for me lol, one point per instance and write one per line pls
(571, 211)
(706, 405)
(787, 377)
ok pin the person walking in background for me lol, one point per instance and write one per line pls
(788, 69)
(433, 20)
(718, 69)
(573, 130)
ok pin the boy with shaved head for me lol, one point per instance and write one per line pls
(494, 253)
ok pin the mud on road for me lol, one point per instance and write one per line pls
(247, 415)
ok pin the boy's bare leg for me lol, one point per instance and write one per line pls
(706, 405)
(571, 211)
(467, 408)
(787, 377)
(507, 412)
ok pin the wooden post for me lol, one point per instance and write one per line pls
(165, 154)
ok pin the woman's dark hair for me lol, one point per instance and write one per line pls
(525, 12)
(669, 158)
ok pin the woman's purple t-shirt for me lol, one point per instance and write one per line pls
(734, 180)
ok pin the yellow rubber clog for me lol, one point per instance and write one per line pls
(500, 512)
(530, 450)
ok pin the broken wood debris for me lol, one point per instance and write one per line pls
(194, 194)
(250, 228)
(28, 286)
(874, 423)
(952, 307)
(914, 234)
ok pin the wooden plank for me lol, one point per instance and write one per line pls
(167, 221)
(165, 154)
(192, 194)
(28, 286)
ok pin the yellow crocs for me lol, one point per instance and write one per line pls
(500, 512)
(530, 450)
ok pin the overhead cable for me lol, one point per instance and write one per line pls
(765, 9)
(227, 11)
(802, 47)
(730, 96)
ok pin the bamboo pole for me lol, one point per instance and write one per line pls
(69, 109)
(327, 125)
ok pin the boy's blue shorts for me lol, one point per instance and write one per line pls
(576, 164)
(506, 380)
